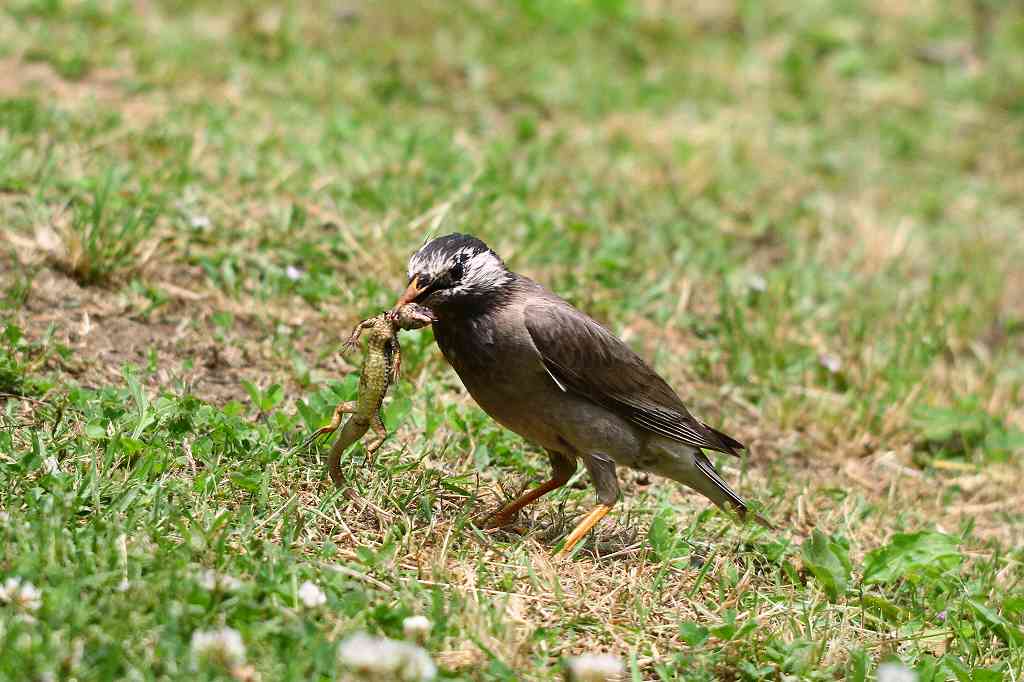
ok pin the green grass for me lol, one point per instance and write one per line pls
(807, 221)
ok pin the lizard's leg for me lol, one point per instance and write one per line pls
(342, 408)
(396, 358)
(353, 339)
(379, 434)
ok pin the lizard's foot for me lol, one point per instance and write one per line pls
(373, 445)
(341, 409)
(322, 431)
(370, 456)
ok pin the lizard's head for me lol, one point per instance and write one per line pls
(412, 316)
(455, 268)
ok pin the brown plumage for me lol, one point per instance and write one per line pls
(584, 357)
(549, 372)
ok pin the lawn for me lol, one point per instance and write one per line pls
(807, 216)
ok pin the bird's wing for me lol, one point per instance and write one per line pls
(585, 358)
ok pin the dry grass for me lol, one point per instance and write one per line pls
(810, 231)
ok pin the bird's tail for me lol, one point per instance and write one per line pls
(731, 445)
(714, 487)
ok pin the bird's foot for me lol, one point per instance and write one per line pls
(517, 528)
(582, 528)
(498, 521)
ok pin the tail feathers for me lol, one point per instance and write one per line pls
(730, 443)
(719, 492)
(725, 493)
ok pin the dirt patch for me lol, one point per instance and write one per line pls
(104, 330)
(106, 86)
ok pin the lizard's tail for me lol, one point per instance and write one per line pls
(350, 433)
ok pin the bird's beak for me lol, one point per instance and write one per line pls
(411, 293)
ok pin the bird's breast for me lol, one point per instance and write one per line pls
(470, 346)
(499, 366)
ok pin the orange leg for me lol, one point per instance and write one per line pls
(562, 469)
(504, 516)
(588, 522)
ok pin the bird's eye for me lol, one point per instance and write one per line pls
(428, 285)
(455, 272)
(448, 278)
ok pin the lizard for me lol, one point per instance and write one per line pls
(381, 363)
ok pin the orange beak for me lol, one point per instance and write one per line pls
(411, 293)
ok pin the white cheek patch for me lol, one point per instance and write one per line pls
(483, 271)
(432, 265)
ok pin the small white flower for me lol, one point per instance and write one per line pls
(212, 580)
(51, 465)
(207, 580)
(30, 598)
(8, 589)
(386, 659)
(417, 666)
(894, 672)
(311, 595)
(199, 222)
(831, 362)
(21, 593)
(293, 273)
(366, 654)
(223, 646)
(416, 628)
(594, 668)
(757, 283)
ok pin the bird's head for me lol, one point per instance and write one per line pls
(456, 269)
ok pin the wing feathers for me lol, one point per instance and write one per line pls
(583, 357)
(708, 469)
(555, 379)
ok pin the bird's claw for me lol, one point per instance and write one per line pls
(498, 521)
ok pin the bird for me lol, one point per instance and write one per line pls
(547, 371)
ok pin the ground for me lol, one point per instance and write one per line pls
(807, 217)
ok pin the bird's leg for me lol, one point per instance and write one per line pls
(581, 529)
(562, 469)
(505, 515)
(342, 408)
(602, 472)
(380, 433)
